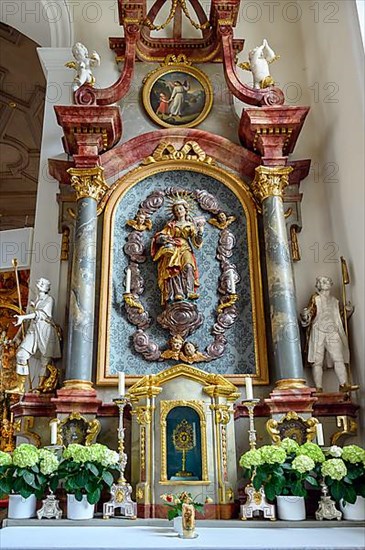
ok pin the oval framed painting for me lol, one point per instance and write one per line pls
(177, 95)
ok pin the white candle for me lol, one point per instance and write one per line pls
(121, 383)
(128, 280)
(249, 389)
(53, 433)
(232, 283)
(319, 433)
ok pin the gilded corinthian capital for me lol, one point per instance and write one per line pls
(88, 182)
(270, 182)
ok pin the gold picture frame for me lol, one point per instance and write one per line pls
(177, 94)
(165, 159)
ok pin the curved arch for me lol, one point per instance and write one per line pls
(47, 23)
(231, 155)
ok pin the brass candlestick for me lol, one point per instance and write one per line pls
(121, 491)
(251, 404)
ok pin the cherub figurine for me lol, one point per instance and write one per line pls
(175, 343)
(222, 221)
(190, 354)
(259, 60)
(83, 66)
(141, 222)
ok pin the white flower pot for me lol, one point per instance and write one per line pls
(353, 512)
(22, 508)
(290, 508)
(79, 510)
(177, 524)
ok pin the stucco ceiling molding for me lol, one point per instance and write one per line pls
(49, 24)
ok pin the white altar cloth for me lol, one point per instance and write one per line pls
(162, 538)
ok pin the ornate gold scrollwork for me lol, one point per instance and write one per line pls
(292, 425)
(132, 302)
(190, 151)
(270, 182)
(348, 427)
(85, 431)
(88, 182)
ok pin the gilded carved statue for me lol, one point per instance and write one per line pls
(222, 221)
(141, 222)
(172, 248)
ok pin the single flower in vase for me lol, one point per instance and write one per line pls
(175, 503)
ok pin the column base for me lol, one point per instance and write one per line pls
(77, 396)
(291, 395)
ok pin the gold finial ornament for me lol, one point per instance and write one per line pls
(88, 182)
(270, 182)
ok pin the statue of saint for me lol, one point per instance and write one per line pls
(326, 334)
(172, 248)
(41, 337)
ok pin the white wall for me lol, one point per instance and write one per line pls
(334, 59)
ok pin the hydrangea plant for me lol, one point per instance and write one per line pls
(28, 471)
(344, 472)
(86, 470)
(282, 469)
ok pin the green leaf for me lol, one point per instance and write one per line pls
(270, 492)
(172, 513)
(92, 468)
(349, 494)
(108, 478)
(29, 478)
(312, 481)
(337, 490)
(94, 497)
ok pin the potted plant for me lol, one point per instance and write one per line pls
(283, 471)
(24, 476)
(175, 504)
(344, 474)
(85, 471)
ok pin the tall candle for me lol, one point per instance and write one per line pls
(128, 280)
(53, 426)
(319, 433)
(249, 389)
(232, 283)
(121, 383)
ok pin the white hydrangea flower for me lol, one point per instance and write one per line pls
(335, 451)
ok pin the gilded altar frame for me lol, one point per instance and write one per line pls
(165, 407)
(150, 167)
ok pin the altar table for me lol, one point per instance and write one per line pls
(163, 538)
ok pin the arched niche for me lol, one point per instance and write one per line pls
(115, 333)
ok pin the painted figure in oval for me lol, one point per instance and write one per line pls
(172, 248)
